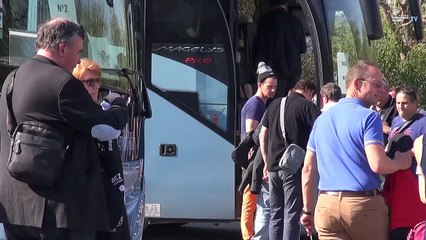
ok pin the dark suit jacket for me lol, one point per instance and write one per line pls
(46, 93)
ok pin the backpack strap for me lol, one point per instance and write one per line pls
(405, 125)
(10, 118)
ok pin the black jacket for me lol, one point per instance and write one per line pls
(112, 172)
(45, 92)
(280, 42)
(387, 114)
(254, 173)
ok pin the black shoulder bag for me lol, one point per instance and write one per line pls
(37, 150)
(293, 156)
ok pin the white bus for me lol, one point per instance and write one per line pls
(187, 51)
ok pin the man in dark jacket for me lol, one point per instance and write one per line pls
(280, 42)
(386, 107)
(45, 91)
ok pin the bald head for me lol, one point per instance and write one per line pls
(360, 69)
(365, 82)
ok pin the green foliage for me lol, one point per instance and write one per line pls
(402, 66)
(246, 9)
(308, 62)
(389, 51)
(413, 70)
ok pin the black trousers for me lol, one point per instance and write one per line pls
(16, 232)
(399, 234)
(121, 233)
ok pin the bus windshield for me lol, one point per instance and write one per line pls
(349, 41)
(107, 35)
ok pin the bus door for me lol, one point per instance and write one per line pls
(188, 170)
(247, 44)
(338, 33)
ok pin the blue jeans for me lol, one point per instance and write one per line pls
(285, 191)
(261, 221)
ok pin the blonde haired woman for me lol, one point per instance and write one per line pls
(90, 74)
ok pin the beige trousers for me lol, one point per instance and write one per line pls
(351, 218)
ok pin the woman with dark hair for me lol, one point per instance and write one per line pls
(400, 189)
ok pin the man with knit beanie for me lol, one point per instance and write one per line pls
(280, 43)
(251, 114)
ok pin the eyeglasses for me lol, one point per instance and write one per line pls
(375, 83)
(91, 82)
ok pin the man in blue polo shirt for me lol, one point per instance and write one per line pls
(345, 151)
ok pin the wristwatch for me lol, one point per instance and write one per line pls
(306, 212)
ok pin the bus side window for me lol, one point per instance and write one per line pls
(189, 99)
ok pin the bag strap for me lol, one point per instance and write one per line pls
(282, 110)
(10, 118)
(405, 125)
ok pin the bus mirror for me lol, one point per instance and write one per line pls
(416, 18)
(371, 14)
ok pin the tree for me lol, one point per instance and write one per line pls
(399, 54)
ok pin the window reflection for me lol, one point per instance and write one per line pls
(191, 57)
(107, 33)
(187, 21)
(349, 40)
(109, 42)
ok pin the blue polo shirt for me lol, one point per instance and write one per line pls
(416, 129)
(338, 138)
(253, 109)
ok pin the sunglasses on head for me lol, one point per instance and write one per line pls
(91, 82)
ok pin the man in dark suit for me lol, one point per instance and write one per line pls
(45, 91)
(280, 42)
